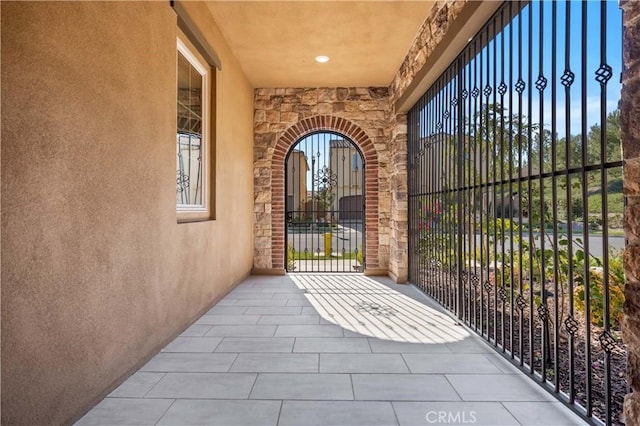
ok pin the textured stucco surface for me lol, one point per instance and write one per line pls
(96, 272)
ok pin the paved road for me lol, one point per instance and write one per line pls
(344, 237)
(596, 243)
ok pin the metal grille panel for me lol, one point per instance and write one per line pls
(325, 205)
(515, 192)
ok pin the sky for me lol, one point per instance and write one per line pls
(508, 57)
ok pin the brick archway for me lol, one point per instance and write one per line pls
(292, 135)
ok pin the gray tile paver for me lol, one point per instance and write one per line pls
(266, 301)
(196, 330)
(208, 412)
(497, 387)
(256, 344)
(458, 413)
(309, 331)
(275, 363)
(450, 364)
(275, 310)
(389, 346)
(332, 345)
(290, 319)
(228, 319)
(263, 354)
(203, 385)
(403, 387)
(362, 363)
(332, 387)
(137, 385)
(126, 411)
(543, 413)
(242, 331)
(190, 362)
(226, 310)
(336, 413)
(193, 344)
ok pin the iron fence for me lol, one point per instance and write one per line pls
(516, 202)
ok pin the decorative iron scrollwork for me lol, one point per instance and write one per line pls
(604, 73)
(502, 89)
(571, 325)
(543, 312)
(567, 78)
(607, 341)
(521, 302)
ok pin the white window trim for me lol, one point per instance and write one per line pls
(195, 212)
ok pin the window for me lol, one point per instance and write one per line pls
(356, 162)
(193, 138)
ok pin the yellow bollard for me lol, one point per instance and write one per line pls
(327, 244)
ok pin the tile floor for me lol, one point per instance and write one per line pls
(327, 350)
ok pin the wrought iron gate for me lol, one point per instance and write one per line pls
(324, 204)
(516, 202)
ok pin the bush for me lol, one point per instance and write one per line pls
(596, 293)
(291, 254)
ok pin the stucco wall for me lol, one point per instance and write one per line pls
(96, 272)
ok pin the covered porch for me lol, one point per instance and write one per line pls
(331, 349)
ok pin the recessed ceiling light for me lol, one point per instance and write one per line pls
(322, 59)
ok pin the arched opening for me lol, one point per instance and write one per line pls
(271, 222)
(324, 204)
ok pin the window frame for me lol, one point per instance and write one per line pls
(203, 211)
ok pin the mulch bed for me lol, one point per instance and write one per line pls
(442, 284)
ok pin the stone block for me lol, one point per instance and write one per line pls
(263, 197)
(630, 117)
(262, 261)
(631, 407)
(310, 97)
(259, 115)
(289, 117)
(632, 218)
(633, 367)
(324, 108)
(262, 104)
(262, 242)
(631, 178)
(632, 262)
(264, 92)
(294, 91)
(378, 92)
(326, 94)
(342, 93)
(273, 116)
(278, 127)
(261, 128)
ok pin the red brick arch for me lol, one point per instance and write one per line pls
(292, 135)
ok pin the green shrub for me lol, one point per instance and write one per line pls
(596, 293)
(291, 255)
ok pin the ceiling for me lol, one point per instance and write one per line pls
(276, 41)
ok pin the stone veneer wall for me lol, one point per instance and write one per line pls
(630, 129)
(369, 113)
(435, 27)
(432, 32)
(283, 116)
(399, 224)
